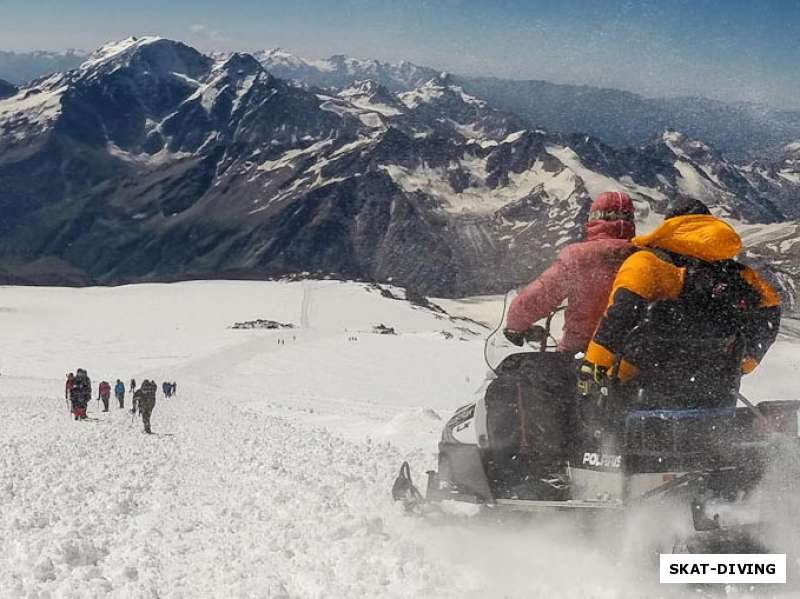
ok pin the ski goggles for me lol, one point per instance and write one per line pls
(610, 215)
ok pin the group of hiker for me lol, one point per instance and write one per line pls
(78, 391)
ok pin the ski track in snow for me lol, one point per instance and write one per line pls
(270, 472)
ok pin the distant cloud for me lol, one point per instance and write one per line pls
(206, 34)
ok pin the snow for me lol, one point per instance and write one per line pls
(479, 198)
(425, 94)
(361, 94)
(789, 175)
(269, 473)
(596, 183)
(516, 136)
(289, 156)
(115, 50)
(371, 120)
(33, 107)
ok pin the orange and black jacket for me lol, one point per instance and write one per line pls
(659, 272)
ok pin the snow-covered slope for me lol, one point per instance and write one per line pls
(269, 473)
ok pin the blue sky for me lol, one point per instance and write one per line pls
(727, 49)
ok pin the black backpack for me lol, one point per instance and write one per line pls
(691, 346)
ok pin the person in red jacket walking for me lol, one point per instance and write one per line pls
(69, 385)
(104, 393)
(582, 275)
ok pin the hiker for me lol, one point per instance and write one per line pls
(133, 385)
(119, 393)
(70, 383)
(104, 394)
(145, 400)
(80, 394)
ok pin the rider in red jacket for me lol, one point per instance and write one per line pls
(582, 274)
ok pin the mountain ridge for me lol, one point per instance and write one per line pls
(219, 168)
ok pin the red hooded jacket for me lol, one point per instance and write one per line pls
(582, 274)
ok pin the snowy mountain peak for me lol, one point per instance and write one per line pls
(339, 71)
(279, 56)
(147, 55)
(681, 144)
(113, 51)
(436, 90)
(241, 64)
(363, 87)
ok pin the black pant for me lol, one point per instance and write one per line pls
(528, 410)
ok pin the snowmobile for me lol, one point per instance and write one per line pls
(629, 445)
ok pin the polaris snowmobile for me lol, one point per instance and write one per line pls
(630, 445)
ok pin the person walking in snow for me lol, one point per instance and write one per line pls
(70, 383)
(145, 400)
(119, 393)
(80, 394)
(104, 394)
(133, 385)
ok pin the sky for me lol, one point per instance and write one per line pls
(733, 50)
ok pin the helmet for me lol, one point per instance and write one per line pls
(682, 206)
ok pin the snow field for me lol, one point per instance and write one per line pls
(269, 473)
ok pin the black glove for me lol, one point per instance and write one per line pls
(535, 334)
(515, 337)
(593, 381)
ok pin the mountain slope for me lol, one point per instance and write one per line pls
(6, 89)
(618, 117)
(153, 161)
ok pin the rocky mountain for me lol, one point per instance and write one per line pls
(624, 118)
(21, 67)
(340, 71)
(618, 117)
(6, 89)
(152, 161)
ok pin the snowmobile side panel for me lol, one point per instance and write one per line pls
(461, 471)
(641, 483)
(595, 485)
(528, 505)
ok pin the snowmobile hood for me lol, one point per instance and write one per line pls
(698, 235)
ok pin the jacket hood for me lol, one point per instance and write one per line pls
(697, 235)
(609, 229)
